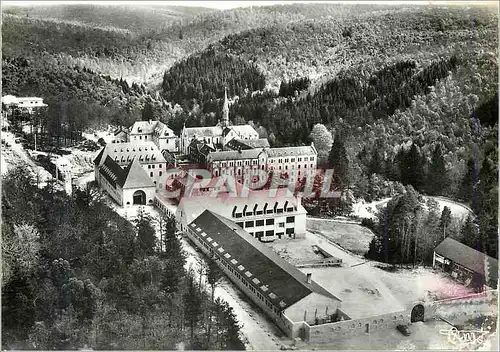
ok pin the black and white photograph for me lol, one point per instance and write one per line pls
(249, 175)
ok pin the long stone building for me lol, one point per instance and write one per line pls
(243, 164)
(289, 297)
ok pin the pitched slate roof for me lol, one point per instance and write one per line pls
(124, 153)
(226, 131)
(136, 176)
(112, 172)
(234, 155)
(215, 131)
(291, 151)
(133, 176)
(244, 130)
(248, 143)
(120, 130)
(98, 158)
(163, 131)
(143, 127)
(284, 284)
(206, 149)
(468, 257)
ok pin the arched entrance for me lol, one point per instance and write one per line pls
(140, 197)
(417, 313)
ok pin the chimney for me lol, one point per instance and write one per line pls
(308, 280)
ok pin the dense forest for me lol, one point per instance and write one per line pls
(140, 43)
(124, 17)
(77, 275)
(320, 48)
(203, 78)
(77, 97)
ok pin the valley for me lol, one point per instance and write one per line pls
(392, 107)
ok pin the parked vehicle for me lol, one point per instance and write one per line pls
(404, 330)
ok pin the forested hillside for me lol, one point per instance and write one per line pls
(77, 275)
(125, 17)
(140, 43)
(204, 77)
(77, 98)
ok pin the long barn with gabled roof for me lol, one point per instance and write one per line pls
(288, 296)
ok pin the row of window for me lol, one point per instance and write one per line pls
(261, 212)
(241, 163)
(269, 233)
(238, 275)
(292, 160)
(255, 161)
(293, 167)
(153, 166)
(134, 148)
(151, 174)
(141, 158)
(251, 223)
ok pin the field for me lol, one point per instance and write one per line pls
(355, 238)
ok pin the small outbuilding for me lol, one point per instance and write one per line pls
(466, 265)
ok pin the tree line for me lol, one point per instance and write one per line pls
(77, 97)
(405, 233)
(77, 275)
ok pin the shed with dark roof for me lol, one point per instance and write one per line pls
(455, 257)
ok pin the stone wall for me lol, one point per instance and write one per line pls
(327, 333)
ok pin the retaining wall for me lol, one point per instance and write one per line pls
(327, 333)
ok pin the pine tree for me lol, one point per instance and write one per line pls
(146, 234)
(437, 181)
(467, 185)
(173, 253)
(445, 220)
(339, 162)
(412, 168)
(468, 232)
(147, 112)
(376, 163)
(192, 304)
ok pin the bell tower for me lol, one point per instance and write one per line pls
(225, 110)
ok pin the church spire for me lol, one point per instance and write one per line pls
(225, 110)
